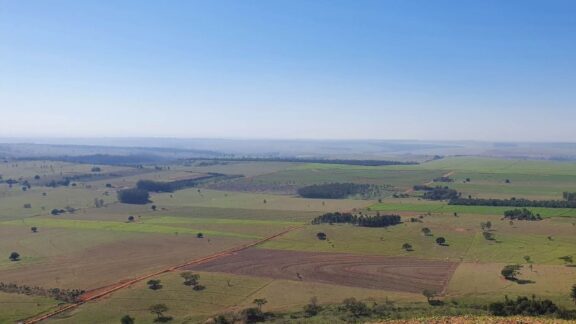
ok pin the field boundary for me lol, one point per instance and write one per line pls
(99, 293)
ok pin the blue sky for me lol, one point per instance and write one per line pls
(418, 69)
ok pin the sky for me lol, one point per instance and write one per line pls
(316, 69)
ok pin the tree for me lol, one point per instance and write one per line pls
(190, 279)
(14, 256)
(158, 309)
(199, 235)
(407, 247)
(312, 308)
(441, 241)
(527, 259)
(153, 207)
(573, 293)
(510, 272)
(321, 236)
(567, 259)
(426, 231)
(260, 302)
(429, 294)
(34, 229)
(154, 284)
(127, 319)
(488, 236)
(130, 218)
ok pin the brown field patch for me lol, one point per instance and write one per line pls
(374, 272)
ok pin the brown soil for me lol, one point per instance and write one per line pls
(375, 272)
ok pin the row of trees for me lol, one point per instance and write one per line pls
(171, 186)
(65, 295)
(366, 221)
(336, 190)
(513, 202)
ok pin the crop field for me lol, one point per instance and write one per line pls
(95, 241)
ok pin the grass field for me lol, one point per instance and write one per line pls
(95, 247)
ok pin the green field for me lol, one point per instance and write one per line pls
(95, 246)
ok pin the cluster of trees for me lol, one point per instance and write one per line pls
(65, 295)
(522, 214)
(529, 307)
(337, 190)
(438, 193)
(443, 179)
(66, 209)
(59, 183)
(366, 221)
(511, 272)
(513, 202)
(192, 280)
(134, 196)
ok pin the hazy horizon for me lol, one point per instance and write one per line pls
(485, 71)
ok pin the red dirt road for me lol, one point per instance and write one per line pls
(374, 272)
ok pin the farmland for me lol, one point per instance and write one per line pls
(94, 241)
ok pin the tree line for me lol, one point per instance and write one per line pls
(171, 186)
(338, 190)
(323, 161)
(365, 221)
(65, 295)
(513, 202)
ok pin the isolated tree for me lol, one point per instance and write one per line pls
(426, 231)
(407, 247)
(441, 241)
(14, 256)
(199, 235)
(260, 302)
(34, 229)
(127, 319)
(511, 272)
(488, 236)
(153, 207)
(321, 236)
(158, 309)
(154, 284)
(573, 293)
(130, 218)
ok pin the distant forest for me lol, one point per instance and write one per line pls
(323, 161)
